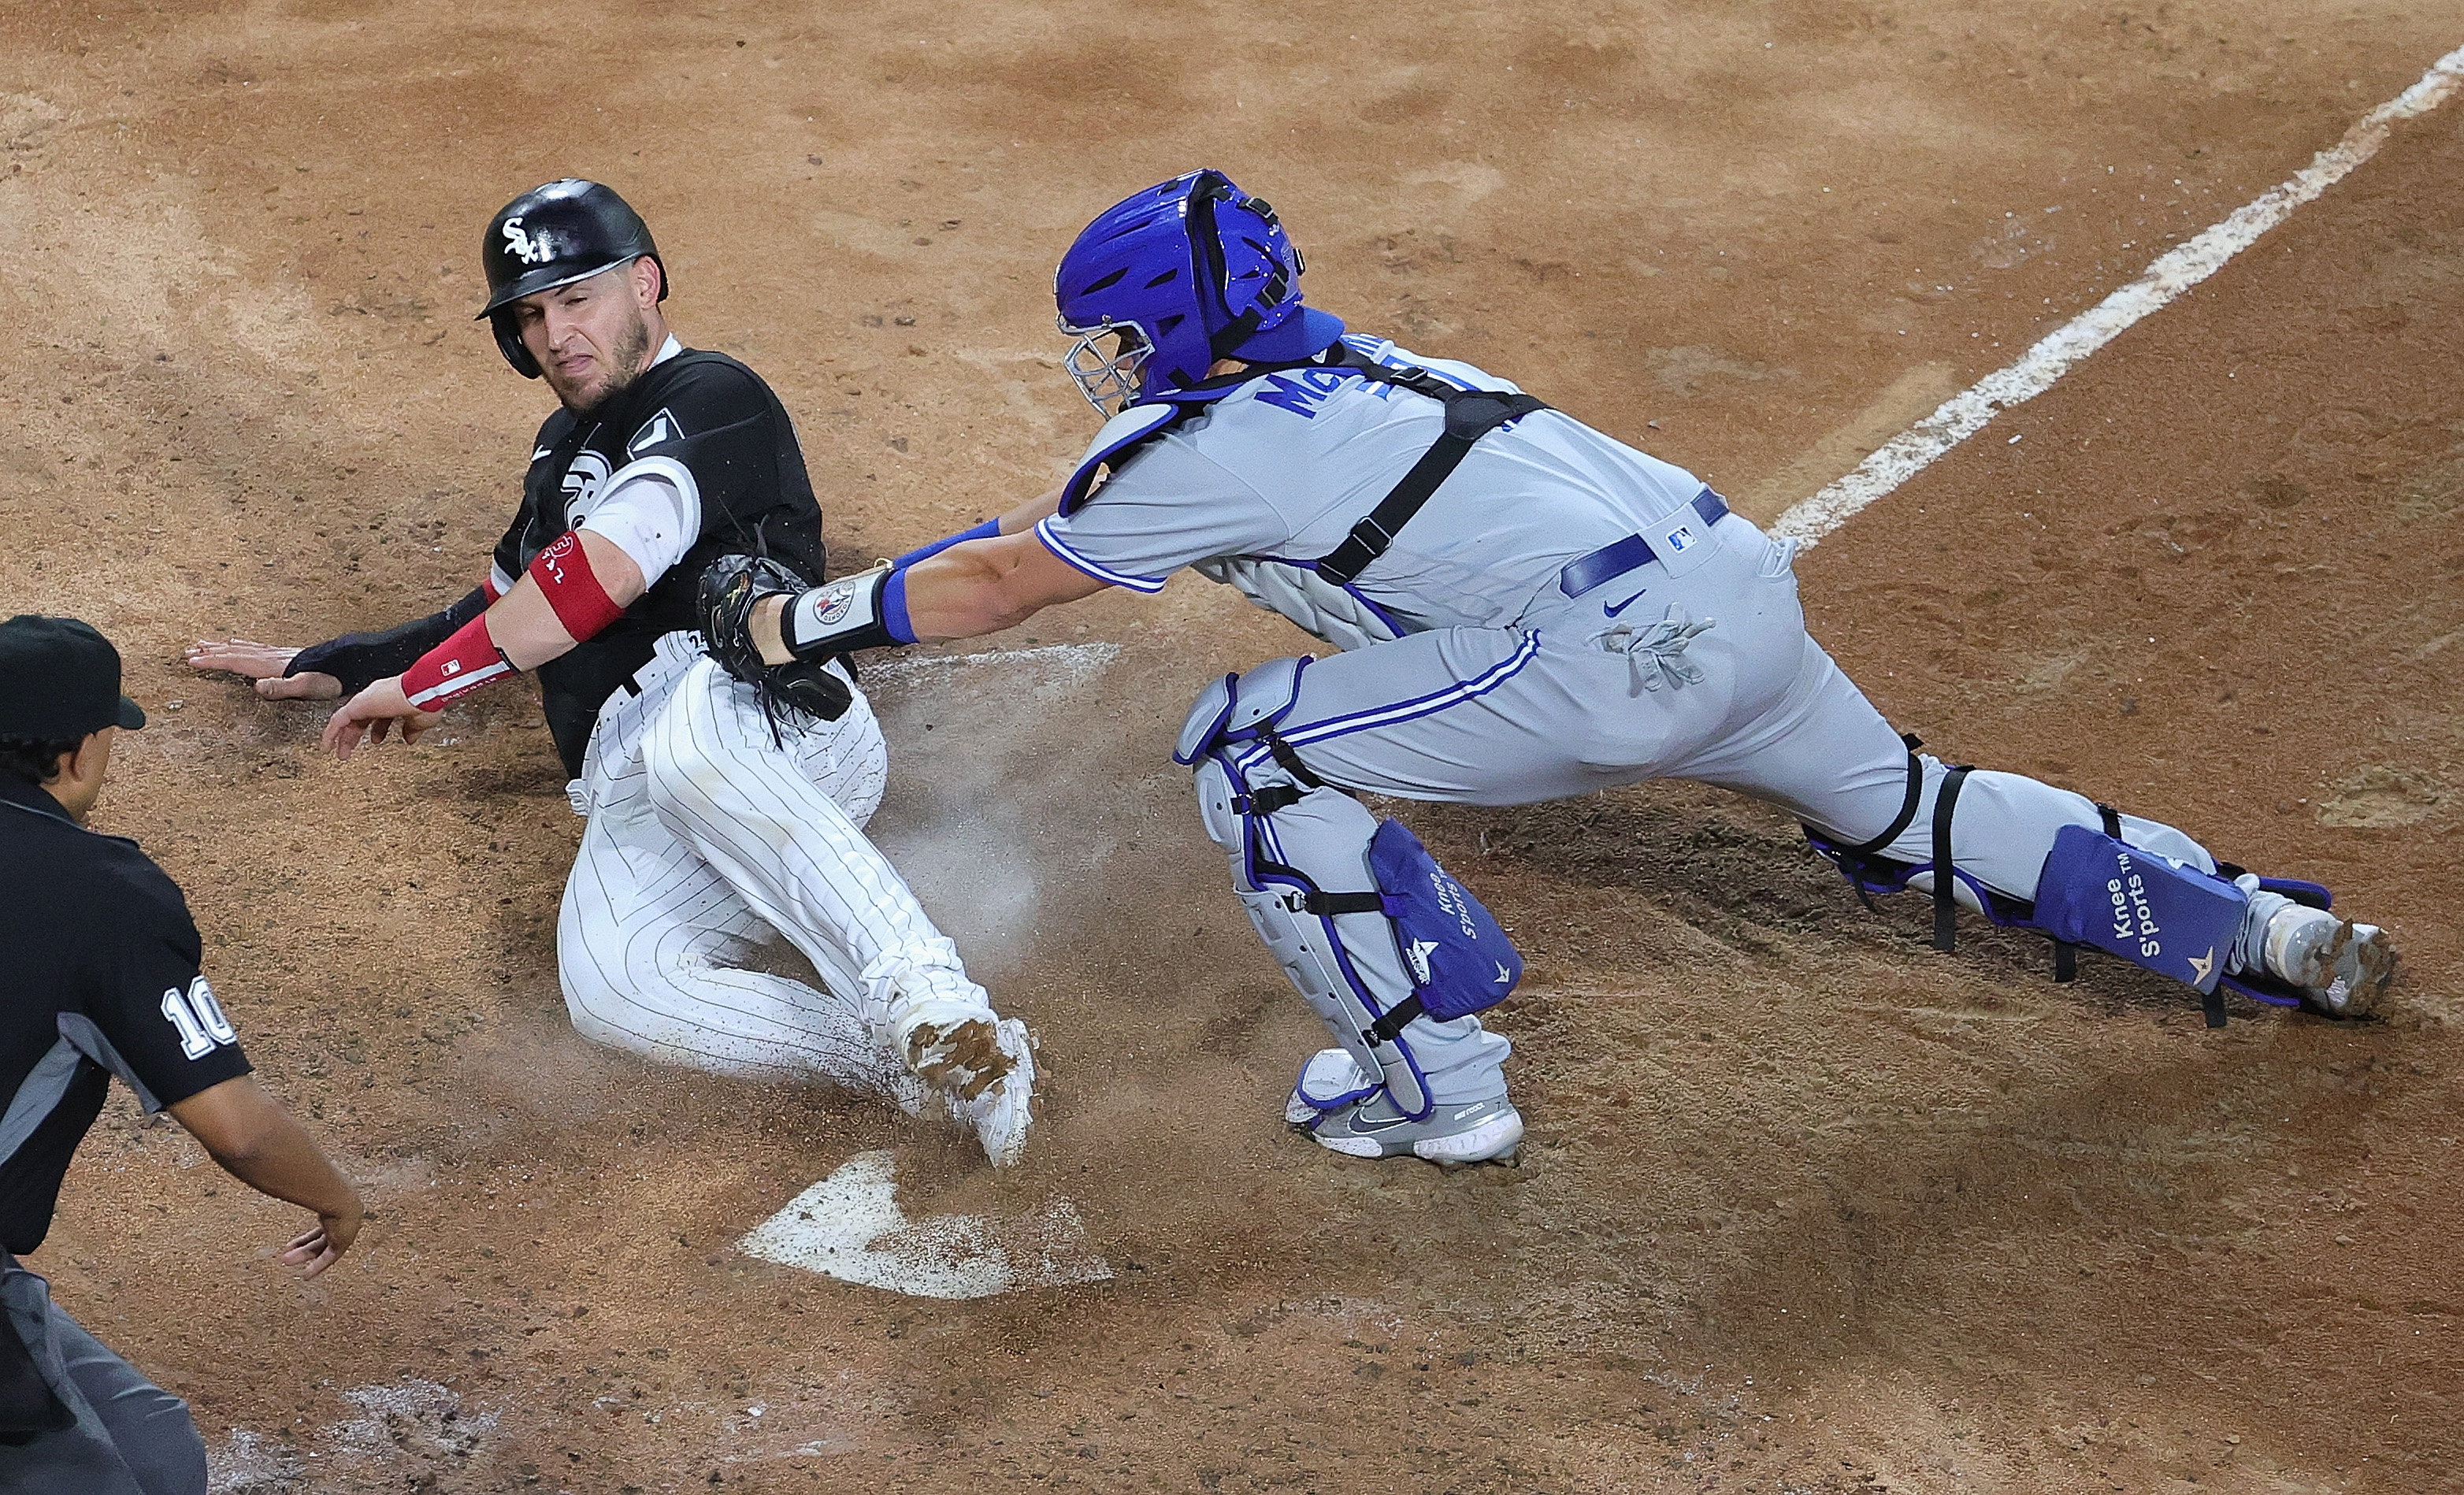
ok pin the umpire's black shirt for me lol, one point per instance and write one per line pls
(98, 976)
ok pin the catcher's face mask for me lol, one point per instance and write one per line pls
(1105, 362)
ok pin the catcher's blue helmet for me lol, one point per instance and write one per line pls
(1176, 277)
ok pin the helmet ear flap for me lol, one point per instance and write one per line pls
(508, 342)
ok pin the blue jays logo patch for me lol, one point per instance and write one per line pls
(834, 604)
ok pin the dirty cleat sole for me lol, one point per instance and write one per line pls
(985, 1069)
(2349, 971)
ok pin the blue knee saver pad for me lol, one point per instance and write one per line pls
(1461, 962)
(2170, 919)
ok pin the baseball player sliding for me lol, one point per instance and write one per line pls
(1525, 609)
(715, 807)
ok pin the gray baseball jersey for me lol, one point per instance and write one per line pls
(1286, 464)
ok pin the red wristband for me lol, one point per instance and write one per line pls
(455, 668)
(562, 572)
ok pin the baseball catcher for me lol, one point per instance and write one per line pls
(717, 807)
(1525, 609)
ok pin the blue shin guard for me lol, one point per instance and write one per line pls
(1372, 961)
(1461, 962)
(2171, 918)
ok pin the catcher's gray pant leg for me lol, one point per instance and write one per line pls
(131, 1437)
(1512, 716)
(1827, 755)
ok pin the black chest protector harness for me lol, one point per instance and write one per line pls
(1469, 415)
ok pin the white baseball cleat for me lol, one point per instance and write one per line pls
(2342, 968)
(1480, 1132)
(984, 1067)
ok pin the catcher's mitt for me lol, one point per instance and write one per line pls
(730, 590)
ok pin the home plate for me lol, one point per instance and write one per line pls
(849, 1226)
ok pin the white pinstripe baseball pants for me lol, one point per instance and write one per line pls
(704, 834)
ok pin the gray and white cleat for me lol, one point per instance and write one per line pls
(1480, 1132)
(2342, 968)
(1331, 1080)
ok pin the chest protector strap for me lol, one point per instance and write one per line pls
(1471, 415)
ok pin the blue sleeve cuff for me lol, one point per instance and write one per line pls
(990, 529)
(893, 607)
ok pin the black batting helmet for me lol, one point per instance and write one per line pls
(552, 235)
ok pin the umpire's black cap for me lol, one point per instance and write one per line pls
(59, 681)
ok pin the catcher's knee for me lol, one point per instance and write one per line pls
(1238, 715)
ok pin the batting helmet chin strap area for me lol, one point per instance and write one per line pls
(508, 342)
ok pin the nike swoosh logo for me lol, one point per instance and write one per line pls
(1623, 606)
(1379, 1123)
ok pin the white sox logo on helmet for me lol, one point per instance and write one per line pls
(531, 249)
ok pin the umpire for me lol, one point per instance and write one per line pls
(98, 977)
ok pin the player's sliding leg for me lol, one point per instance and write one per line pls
(2028, 853)
(721, 781)
(647, 945)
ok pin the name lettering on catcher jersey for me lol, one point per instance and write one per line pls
(1303, 392)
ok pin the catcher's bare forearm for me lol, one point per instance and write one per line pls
(978, 587)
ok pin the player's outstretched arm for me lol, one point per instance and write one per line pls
(339, 666)
(259, 1143)
(986, 586)
(266, 664)
(577, 586)
(1023, 518)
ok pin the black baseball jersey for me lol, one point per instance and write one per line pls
(98, 976)
(710, 419)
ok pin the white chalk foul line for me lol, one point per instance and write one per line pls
(1963, 414)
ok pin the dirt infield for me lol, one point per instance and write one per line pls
(1805, 1207)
